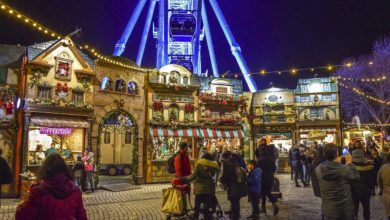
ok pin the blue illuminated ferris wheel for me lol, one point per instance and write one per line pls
(181, 27)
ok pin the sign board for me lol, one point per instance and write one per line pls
(57, 131)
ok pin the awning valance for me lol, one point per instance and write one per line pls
(173, 132)
(221, 133)
(59, 122)
(307, 130)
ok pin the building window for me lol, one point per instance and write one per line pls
(127, 137)
(174, 112)
(304, 88)
(132, 88)
(44, 92)
(334, 97)
(106, 84)
(316, 113)
(305, 98)
(78, 97)
(326, 87)
(267, 119)
(327, 98)
(107, 137)
(281, 118)
(185, 80)
(120, 85)
(220, 89)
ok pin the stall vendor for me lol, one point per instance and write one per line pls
(51, 150)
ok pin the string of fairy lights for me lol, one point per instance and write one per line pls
(293, 71)
(53, 34)
(349, 124)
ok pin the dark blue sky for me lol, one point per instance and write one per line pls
(273, 34)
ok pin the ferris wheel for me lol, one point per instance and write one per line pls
(181, 27)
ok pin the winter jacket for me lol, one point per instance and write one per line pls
(361, 188)
(384, 184)
(88, 162)
(335, 179)
(318, 159)
(182, 164)
(5, 172)
(229, 179)
(254, 181)
(266, 162)
(203, 175)
(295, 157)
(78, 169)
(57, 198)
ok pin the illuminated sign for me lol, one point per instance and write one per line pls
(272, 98)
(58, 131)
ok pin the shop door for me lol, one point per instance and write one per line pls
(107, 148)
(126, 155)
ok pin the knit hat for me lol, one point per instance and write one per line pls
(358, 156)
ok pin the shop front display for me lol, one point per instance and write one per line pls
(222, 139)
(307, 136)
(365, 135)
(282, 141)
(165, 142)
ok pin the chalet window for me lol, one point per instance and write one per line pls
(127, 137)
(334, 97)
(326, 87)
(185, 80)
(327, 98)
(266, 119)
(78, 97)
(304, 88)
(44, 92)
(281, 118)
(132, 88)
(316, 113)
(305, 98)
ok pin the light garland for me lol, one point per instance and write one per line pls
(363, 94)
(50, 33)
(374, 79)
(367, 124)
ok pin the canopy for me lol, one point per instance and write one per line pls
(59, 122)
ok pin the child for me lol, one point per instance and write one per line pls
(254, 186)
(77, 169)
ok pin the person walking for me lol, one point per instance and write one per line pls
(182, 162)
(234, 179)
(384, 184)
(254, 188)
(361, 187)
(296, 162)
(78, 169)
(308, 165)
(204, 185)
(317, 160)
(334, 180)
(55, 196)
(377, 161)
(88, 168)
(266, 161)
(290, 162)
(5, 173)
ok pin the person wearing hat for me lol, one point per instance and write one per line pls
(361, 188)
(78, 169)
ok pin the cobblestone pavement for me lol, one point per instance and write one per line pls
(145, 203)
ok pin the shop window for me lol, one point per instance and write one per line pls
(44, 92)
(78, 97)
(106, 84)
(326, 87)
(107, 137)
(186, 80)
(132, 88)
(120, 85)
(316, 113)
(128, 137)
(281, 118)
(174, 112)
(304, 88)
(165, 147)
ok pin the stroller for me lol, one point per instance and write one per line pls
(184, 189)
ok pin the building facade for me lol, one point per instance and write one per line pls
(318, 111)
(119, 118)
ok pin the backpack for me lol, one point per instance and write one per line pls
(171, 164)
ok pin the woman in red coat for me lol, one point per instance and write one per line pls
(55, 197)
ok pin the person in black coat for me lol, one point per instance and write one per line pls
(318, 159)
(234, 179)
(5, 173)
(265, 159)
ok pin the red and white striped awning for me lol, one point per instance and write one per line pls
(171, 132)
(59, 122)
(221, 133)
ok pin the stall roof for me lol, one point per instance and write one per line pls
(11, 55)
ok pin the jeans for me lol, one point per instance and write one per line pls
(204, 199)
(77, 181)
(366, 207)
(306, 173)
(255, 201)
(90, 180)
(235, 203)
(298, 174)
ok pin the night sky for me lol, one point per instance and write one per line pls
(273, 34)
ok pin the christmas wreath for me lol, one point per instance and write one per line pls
(189, 108)
(157, 106)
